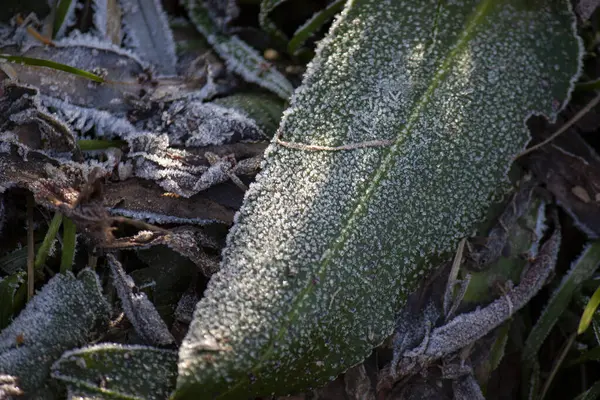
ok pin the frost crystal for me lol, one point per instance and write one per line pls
(329, 244)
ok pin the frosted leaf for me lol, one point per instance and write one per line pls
(107, 371)
(197, 124)
(585, 8)
(83, 119)
(469, 327)
(264, 109)
(147, 32)
(267, 24)
(222, 11)
(22, 113)
(185, 307)
(329, 244)
(59, 317)
(240, 58)
(138, 308)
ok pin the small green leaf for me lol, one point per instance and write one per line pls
(390, 153)
(239, 57)
(128, 372)
(581, 270)
(42, 254)
(588, 312)
(38, 62)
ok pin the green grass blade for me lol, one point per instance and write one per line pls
(42, 254)
(60, 18)
(588, 312)
(313, 25)
(69, 244)
(38, 62)
(591, 394)
(99, 144)
(582, 269)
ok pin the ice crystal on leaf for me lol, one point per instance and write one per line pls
(329, 244)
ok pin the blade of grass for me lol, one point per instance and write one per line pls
(60, 16)
(581, 270)
(313, 25)
(588, 312)
(38, 62)
(588, 86)
(30, 248)
(42, 254)
(557, 365)
(68, 247)
(590, 394)
(95, 144)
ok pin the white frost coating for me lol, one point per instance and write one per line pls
(239, 57)
(370, 220)
(155, 218)
(147, 32)
(132, 371)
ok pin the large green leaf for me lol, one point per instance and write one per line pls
(393, 148)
